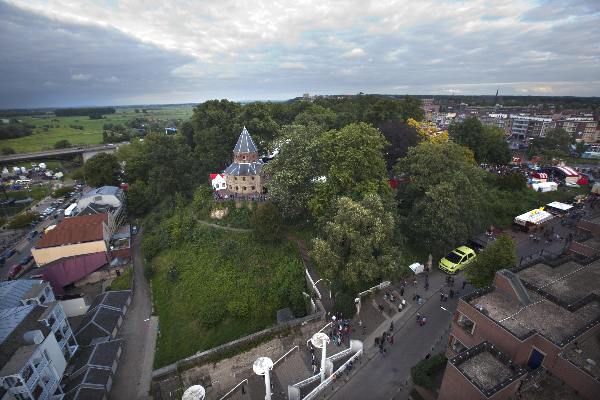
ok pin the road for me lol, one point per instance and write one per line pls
(134, 373)
(382, 376)
(24, 245)
(53, 153)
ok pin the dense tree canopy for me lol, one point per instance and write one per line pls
(102, 169)
(400, 137)
(488, 143)
(356, 245)
(498, 255)
(441, 205)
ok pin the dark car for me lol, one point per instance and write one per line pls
(9, 253)
(15, 270)
(26, 260)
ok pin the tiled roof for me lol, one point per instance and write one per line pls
(98, 323)
(244, 169)
(118, 299)
(245, 144)
(82, 229)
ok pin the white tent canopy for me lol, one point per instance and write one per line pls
(533, 217)
(560, 206)
(417, 268)
(544, 186)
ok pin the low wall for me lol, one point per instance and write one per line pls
(201, 357)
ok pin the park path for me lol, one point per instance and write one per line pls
(139, 329)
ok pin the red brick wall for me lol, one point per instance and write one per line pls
(122, 253)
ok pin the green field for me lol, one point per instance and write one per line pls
(92, 128)
(220, 286)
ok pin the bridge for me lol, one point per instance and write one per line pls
(85, 152)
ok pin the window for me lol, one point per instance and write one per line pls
(27, 372)
(51, 320)
(465, 323)
(237, 188)
(253, 187)
(457, 346)
(244, 158)
(244, 188)
(59, 336)
(42, 299)
(235, 178)
(244, 178)
(97, 198)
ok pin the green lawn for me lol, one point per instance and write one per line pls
(61, 127)
(123, 282)
(220, 286)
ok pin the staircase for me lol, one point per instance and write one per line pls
(295, 368)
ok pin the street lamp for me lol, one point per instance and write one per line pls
(320, 340)
(262, 366)
(195, 392)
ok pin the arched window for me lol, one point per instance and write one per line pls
(244, 188)
(253, 188)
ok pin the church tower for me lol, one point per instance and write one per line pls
(243, 175)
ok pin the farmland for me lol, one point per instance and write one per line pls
(81, 130)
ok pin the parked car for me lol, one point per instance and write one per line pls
(9, 253)
(15, 270)
(457, 259)
(26, 260)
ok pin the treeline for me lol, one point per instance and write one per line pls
(92, 112)
(11, 131)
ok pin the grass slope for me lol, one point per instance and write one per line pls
(221, 286)
(123, 282)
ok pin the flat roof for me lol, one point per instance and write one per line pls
(583, 350)
(486, 370)
(564, 302)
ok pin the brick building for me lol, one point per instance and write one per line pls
(585, 128)
(534, 333)
(243, 176)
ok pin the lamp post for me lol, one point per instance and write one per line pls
(320, 340)
(262, 366)
(195, 392)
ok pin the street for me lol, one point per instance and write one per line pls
(383, 376)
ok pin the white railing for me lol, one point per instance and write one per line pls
(316, 391)
(307, 381)
(341, 354)
(285, 355)
(245, 381)
(314, 286)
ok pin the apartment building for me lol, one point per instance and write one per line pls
(585, 128)
(496, 119)
(36, 341)
(536, 330)
(524, 126)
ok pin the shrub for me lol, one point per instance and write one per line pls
(23, 220)
(267, 223)
(62, 144)
(421, 373)
(62, 192)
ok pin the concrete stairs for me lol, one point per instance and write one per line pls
(293, 369)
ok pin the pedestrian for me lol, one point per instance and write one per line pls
(417, 297)
(399, 306)
(464, 284)
(442, 296)
(392, 326)
(426, 285)
(402, 290)
(415, 282)
(403, 303)
(377, 341)
(423, 320)
(392, 297)
(391, 339)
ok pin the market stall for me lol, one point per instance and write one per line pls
(533, 219)
(558, 208)
(544, 186)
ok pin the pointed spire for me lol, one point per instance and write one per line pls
(245, 144)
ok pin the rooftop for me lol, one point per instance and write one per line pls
(12, 292)
(564, 303)
(244, 169)
(245, 144)
(118, 299)
(73, 230)
(583, 350)
(104, 190)
(65, 271)
(487, 368)
(550, 388)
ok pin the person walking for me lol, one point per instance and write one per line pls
(427, 285)
(392, 326)
(402, 290)
(415, 283)
(391, 339)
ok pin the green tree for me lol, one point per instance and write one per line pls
(410, 107)
(139, 198)
(498, 255)
(295, 169)
(356, 245)
(216, 130)
(487, 143)
(257, 118)
(556, 143)
(400, 137)
(316, 114)
(441, 205)
(267, 224)
(62, 144)
(352, 164)
(102, 170)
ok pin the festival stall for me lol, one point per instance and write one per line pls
(533, 219)
(558, 208)
(544, 186)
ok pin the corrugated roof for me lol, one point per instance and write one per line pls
(245, 144)
(12, 292)
(87, 228)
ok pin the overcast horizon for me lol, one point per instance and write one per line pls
(57, 53)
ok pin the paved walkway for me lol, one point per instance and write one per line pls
(134, 373)
(382, 377)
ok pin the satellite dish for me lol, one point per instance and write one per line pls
(262, 365)
(319, 339)
(195, 392)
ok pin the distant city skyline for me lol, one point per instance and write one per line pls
(57, 53)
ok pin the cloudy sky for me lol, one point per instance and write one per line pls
(99, 52)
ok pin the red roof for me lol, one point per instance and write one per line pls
(65, 271)
(213, 176)
(87, 228)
